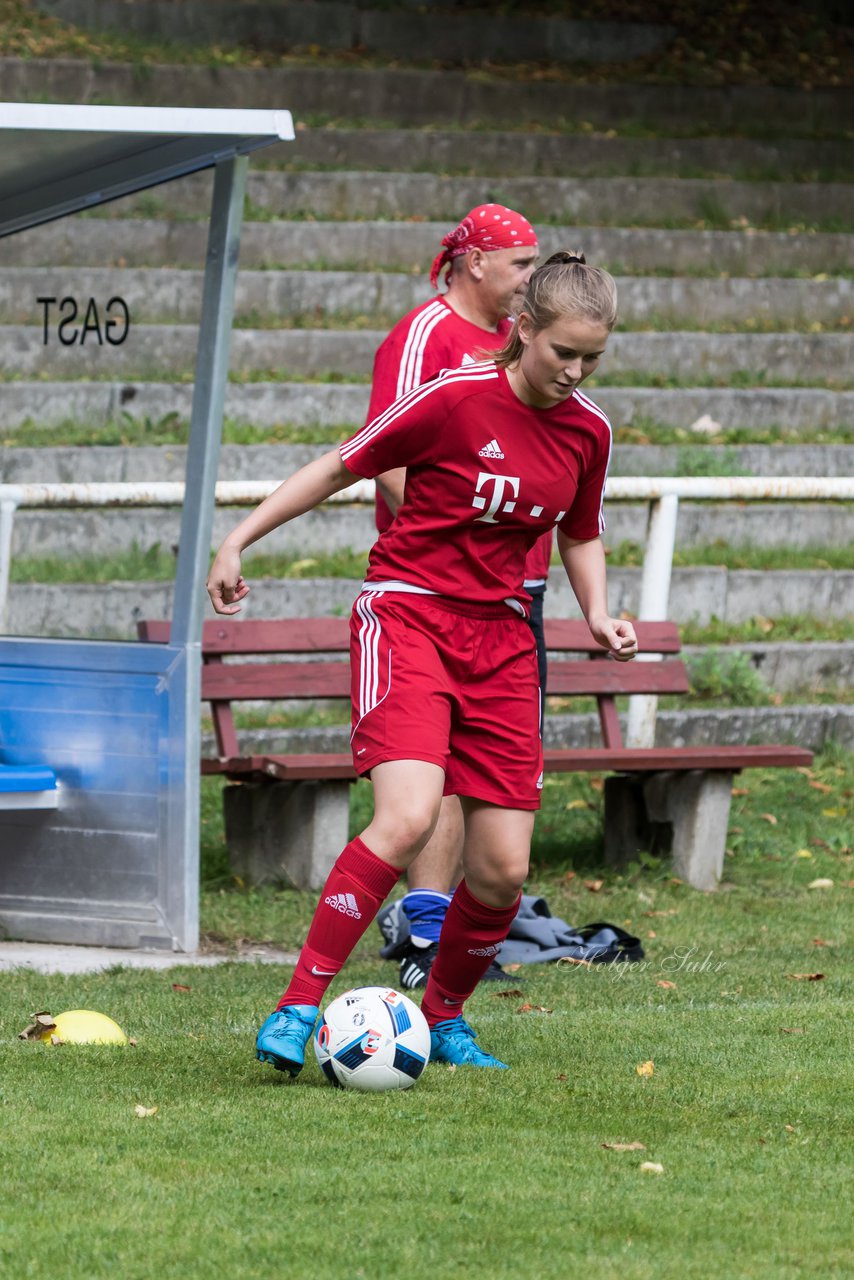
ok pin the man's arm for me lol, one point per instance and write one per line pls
(391, 485)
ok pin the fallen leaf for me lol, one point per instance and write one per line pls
(598, 784)
(142, 1111)
(740, 791)
(833, 813)
(803, 853)
(821, 786)
(806, 977)
(593, 885)
(41, 1022)
(504, 995)
(668, 986)
(586, 964)
(512, 968)
(792, 1031)
(645, 1069)
(769, 817)
(569, 877)
(820, 884)
(671, 911)
(576, 804)
(533, 1008)
(649, 1166)
(820, 942)
(624, 1146)
(563, 1076)
(179, 986)
(790, 1128)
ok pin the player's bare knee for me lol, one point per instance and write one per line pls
(403, 835)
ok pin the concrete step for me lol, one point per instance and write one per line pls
(160, 295)
(267, 404)
(408, 97)
(405, 33)
(812, 727)
(152, 351)
(106, 532)
(583, 155)
(150, 463)
(411, 246)
(651, 201)
(43, 609)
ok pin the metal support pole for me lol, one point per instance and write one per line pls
(654, 604)
(208, 399)
(197, 514)
(8, 507)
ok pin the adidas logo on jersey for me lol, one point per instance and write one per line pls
(345, 903)
(491, 450)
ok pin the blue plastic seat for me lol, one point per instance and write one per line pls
(26, 777)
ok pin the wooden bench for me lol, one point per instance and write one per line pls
(287, 817)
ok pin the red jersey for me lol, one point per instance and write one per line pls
(486, 476)
(430, 339)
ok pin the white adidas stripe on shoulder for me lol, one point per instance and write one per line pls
(481, 372)
(594, 408)
(411, 361)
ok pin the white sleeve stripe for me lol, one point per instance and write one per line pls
(594, 408)
(409, 373)
(471, 373)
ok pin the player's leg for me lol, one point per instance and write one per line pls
(431, 879)
(407, 796)
(485, 903)
(394, 669)
(496, 766)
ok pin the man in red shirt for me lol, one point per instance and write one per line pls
(486, 262)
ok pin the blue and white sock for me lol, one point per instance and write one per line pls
(425, 910)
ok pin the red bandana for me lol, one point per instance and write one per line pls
(489, 226)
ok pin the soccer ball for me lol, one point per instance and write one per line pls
(372, 1039)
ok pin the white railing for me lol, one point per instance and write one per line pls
(662, 493)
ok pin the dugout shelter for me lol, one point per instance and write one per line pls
(99, 740)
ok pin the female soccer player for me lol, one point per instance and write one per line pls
(444, 677)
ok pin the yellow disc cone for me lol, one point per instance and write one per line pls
(84, 1026)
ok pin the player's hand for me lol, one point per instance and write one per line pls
(617, 635)
(226, 584)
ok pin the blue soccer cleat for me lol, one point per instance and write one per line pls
(283, 1037)
(454, 1041)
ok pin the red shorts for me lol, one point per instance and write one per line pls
(450, 683)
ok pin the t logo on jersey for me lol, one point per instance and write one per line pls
(500, 486)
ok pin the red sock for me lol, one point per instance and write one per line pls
(472, 934)
(357, 886)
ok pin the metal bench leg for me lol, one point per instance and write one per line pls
(286, 832)
(696, 804)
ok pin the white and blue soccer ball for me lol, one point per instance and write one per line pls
(374, 1039)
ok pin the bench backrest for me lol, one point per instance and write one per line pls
(306, 675)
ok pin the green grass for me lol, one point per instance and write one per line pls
(240, 1172)
(735, 556)
(794, 628)
(170, 429)
(157, 564)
